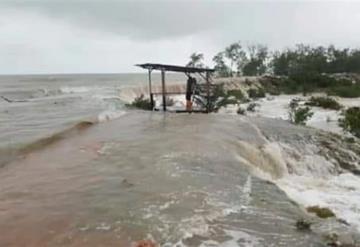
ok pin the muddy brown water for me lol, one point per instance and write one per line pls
(174, 178)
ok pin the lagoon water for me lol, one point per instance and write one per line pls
(179, 179)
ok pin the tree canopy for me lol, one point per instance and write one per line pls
(256, 59)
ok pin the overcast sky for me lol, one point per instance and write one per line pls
(69, 36)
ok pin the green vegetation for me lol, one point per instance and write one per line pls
(255, 64)
(141, 102)
(221, 97)
(236, 93)
(241, 111)
(196, 60)
(324, 102)
(252, 106)
(303, 225)
(236, 55)
(302, 61)
(346, 91)
(248, 61)
(217, 99)
(351, 121)
(306, 83)
(256, 93)
(320, 212)
(222, 70)
(298, 114)
(226, 101)
(301, 69)
(305, 60)
(333, 239)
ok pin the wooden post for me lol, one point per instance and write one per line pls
(208, 91)
(150, 91)
(163, 89)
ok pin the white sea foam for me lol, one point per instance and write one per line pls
(339, 193)
(201, 223)
(311, 180)
(108, 115)
(305, 176)
(277, 107)
(74, 89)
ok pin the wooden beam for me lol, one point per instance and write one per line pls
(163, 89)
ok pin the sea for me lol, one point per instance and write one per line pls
(46, 104)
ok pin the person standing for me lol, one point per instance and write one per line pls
(189, 91)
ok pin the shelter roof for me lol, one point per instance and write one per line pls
(174, 68)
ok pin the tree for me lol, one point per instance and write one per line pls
(196, 60)
(282, 62)
(221, 68)
(235, 54)
(256, 64)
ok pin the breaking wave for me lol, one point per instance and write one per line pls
(130, 93)
(311, 174)
(9, 154)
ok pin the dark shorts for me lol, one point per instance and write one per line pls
(188, 96)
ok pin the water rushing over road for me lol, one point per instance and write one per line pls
(175, 178)
(69, 177)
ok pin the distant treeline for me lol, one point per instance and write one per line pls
(302, 69)
(302, 59)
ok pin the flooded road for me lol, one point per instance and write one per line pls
(175, 178)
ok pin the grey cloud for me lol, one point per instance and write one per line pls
(269, 21)
(110, 36)
(137, 20)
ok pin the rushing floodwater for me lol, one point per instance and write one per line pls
(182, 180)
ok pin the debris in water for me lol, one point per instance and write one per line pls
(126, 183)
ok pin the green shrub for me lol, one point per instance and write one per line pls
(226, 101)
(320, 212)
(256, 93)
(251, 107)
(297, 114)
(306, 82)
(324, 102)
(219, 98)
(241, 111)
(351, 121)
(141, 103)
(352, 91)
(273, 91)
(238, 94)
(303, 225)
(289, 86)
